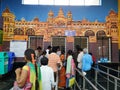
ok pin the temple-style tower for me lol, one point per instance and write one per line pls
(8, 25)
(61, 13)
(112, 25)
(69, 16)
(50, 17)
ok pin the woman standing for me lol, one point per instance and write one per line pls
(70, 69)
(22, 74)
(62, 75)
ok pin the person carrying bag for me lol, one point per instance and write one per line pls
(70, 70)
(27, 86)
(26, 76)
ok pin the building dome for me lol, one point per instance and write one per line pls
(6, 10)
(36, 19)
(51, 13)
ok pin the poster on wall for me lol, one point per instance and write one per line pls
(70, 32)
(18, 47)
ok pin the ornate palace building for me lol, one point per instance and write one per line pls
(100, 37)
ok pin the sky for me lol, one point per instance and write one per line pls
(29, 12)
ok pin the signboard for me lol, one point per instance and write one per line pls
(18, 47)
(70, 32)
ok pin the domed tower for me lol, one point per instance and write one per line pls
(36, 19)
(112, 25)
(69, 16)
(60, 13)
(50, 17)
(8, 25)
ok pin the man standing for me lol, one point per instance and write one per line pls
(38, 52)
(54, 61)
(86, 61)
(79, 60)
(48, 50)
(87, 64)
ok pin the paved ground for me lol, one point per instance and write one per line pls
(6, 81)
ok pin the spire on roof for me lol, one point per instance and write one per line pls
(60, 13)
(7, 10)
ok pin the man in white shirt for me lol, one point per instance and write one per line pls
(48, 50)
(47, 75)
(79, 58)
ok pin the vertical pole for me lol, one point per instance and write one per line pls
(108, 79)
(96, 78)
(83, 83)
(115, 88)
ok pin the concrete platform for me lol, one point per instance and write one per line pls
(6, 81)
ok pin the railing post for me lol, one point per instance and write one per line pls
(108, 79)
(115, 88)
(119, 71)
(83, 83)
(96, 78)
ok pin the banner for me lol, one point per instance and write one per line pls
(18, 47)
(70, 32)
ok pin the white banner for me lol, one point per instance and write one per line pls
(18, 47)
(70, 32)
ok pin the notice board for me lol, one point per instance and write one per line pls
(18, 47)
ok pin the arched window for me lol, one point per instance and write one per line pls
(89, 33)
(101, 33)
(114, 26)
(30, 31)
(18, 31)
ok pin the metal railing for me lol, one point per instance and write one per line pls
(110, 70)
(102, 79)
(105, 80)
(85, 80)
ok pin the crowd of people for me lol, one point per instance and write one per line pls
(52, 67)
